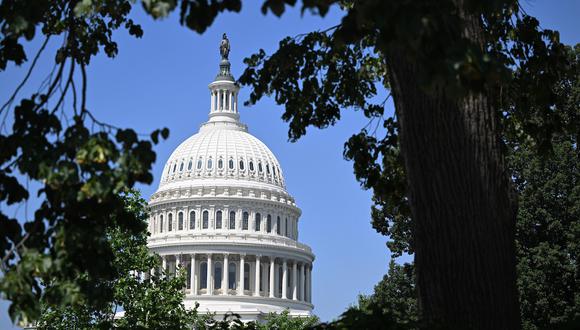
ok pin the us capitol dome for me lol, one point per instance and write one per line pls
(222, 215)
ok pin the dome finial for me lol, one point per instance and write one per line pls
(224, 73)
(225, 47)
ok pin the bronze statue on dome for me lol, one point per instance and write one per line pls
(225, 47)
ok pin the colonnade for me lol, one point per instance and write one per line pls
(243, 275)
(224, 100)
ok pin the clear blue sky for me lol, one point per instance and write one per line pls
(161, 81)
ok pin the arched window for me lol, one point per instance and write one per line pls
(269, 224)
(169, 170)
(170, 222)
(181, 167)
(205, 224)
(218, 220)
(258, 221)
(246, 276)
(232, 276)
(209, 164)
(278, 229)
(251, 166)
(260, 167)
(220, 163)
(199, 164)
(232, 220)
(231, 164)
(217, 275)
(192, 220)
(161, 223)
(203, 275)
(241, 164)
(274, 170)
(245, 220)
(174, 167)
(180, 221)
(286, 226)
(267, 168)
(189, 165)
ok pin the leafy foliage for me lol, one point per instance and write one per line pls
(60, 254)
(154, 301)
(548, 234)
(393, 304)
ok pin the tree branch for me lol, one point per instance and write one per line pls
(11, 99)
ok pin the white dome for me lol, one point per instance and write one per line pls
(221, 151)
(223, 215)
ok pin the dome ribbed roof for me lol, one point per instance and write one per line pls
(211, 154)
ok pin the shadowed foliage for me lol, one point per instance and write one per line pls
(466, 77)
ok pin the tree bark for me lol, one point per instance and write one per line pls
(462, 203)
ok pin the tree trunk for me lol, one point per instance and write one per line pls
(462, 204)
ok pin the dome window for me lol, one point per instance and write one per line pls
(203, 275)
(267, 168)
(245, 221)
(246, 276)
(241, 164)
(220, 164)
(199, 164)
(278, 229)
(189, 165)
(251, 166)
(218, 220)
(161, 223)
(232, 220)
(232, 276)
(260, 167)
(209, 164)
(181, 167)
(180, 220)
(269, 224)
(170, 222)
(205, 223)
(174, 167)
(192, 220)
(258, 221)
(231, 164)
(217, 276)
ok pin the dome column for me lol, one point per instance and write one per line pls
(272, 277)
(242, 275)
(225, 282)
(302, 286)
(209, 275)
(192, 275)
(294, 281)
(284, 279)
(257, 277)
(163, 265)
(310, 283)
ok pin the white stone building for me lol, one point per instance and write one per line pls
(223, 215)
